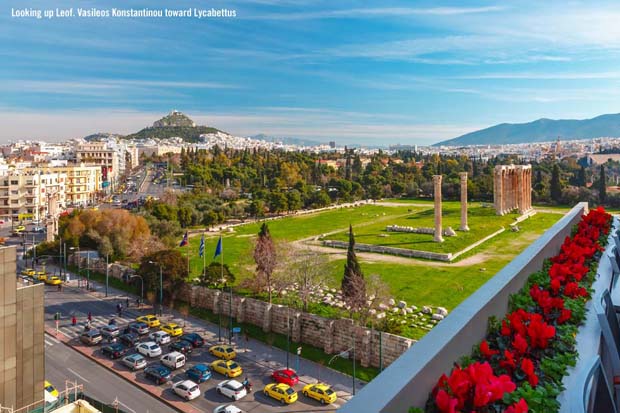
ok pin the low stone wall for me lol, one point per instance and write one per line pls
(333, 336)
(390, 250)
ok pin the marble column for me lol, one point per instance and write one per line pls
(464, 226)
(437, 193)
(498, 189)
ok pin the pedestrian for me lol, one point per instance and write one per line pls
(73, 320)
(90, 317)
(59, 287)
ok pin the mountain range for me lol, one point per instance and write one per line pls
(541, 130)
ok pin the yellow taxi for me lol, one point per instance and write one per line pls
(28, 271)
(321, 392)
(149, 319)
(173, 329)
(41, 275)
(227, 368)
(281, 392)
(51, 394)
(53, 280)
(19, 228)
(223, 351)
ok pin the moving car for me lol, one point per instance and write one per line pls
(111, 330)
(135, 361)
(227, 409)
(181, 346)
(321, 392)
(173, 360)
(222, 351)
(91, 337)
(173, 329)
(53, 280)
(160, 337)
(114, 350)
(137, 327)
(51, 394)
(149, 319)
(199, 373)
(281, 392)
(28, 271)
(41, 275)
(149, 349)
(186, 389)
(286, 376)
(159, 374)
(227, 368)
(232, 389)
(194, 338)
(129, 339)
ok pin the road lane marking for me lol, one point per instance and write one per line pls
(53, 339)
(126, 407)
(77, 375)
(49, 343)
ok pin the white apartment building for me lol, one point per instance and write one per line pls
(30, 193)
(108, 159)
(84, 183)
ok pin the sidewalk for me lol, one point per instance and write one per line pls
(253, 350)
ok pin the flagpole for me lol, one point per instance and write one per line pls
(204, 257)
(221, 242)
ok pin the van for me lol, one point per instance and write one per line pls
(173, 360)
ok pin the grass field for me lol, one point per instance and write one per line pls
(482, 222)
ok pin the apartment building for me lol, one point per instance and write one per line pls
(83, 184)
(31, 192)
(100, 154)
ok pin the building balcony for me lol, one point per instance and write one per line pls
(408, 382)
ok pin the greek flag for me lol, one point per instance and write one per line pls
(201, 248)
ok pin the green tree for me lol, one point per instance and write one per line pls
(353, 285)
(265, 258)
(602, 186)
(174, 271)
(581, 177)
(215, 276)
(293, 200)
(556, 185)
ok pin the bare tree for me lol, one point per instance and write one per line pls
(308, 270)
(265, 258)
(377, 292)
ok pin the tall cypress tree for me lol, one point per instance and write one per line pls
(602, 186)
(353, 285)
(581, 177)
(556, 185)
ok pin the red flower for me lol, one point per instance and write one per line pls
(518, 407)
(528, 368)
(445, 403)
(539, 332)
(565, 315)
(505, 331)
(509, 361)
(555, 286)
(486, 350)
(519, 344)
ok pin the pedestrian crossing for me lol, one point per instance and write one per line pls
(74, 331)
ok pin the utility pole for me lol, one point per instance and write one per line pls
(353, 364)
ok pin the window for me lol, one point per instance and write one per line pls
(14, 182)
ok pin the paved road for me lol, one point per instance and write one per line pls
(63, 363)
(256, 366)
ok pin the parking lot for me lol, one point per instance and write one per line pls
(256, 367)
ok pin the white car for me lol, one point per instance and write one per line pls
(149, 349)
(186, 389)
(232, 389)
(160, 337)
(227, 409)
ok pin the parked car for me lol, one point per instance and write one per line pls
(187, 389)
(181, 346)
(281, 392)
(135, 361)
(222, 351)
(51, 394)
(321, 392)
(149, 319)
(199, 373)
(129, 339)
(286, 376)
(159, 374)
(173, 360)
(111, 330)
(227, 368)
(194, 338)
(114, 350)
(232, 389)
(91, 337)
(137, 327)
(149, 349)
(227, 409)
(160, 337)
(173, 329)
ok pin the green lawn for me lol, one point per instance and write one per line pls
(482, 222)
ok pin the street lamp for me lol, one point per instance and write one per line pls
(107, 273)
(79, 259)
(161, 288)
(342, 354)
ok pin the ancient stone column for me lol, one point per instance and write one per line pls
(463, 226)
(497, 189)
(437, 193)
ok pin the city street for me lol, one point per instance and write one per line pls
(257, 360)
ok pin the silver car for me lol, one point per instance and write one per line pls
(91, 337)
(135, 361)
(110, 330)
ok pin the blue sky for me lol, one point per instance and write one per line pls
(366, 72)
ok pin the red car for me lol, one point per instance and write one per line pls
(286, 376)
